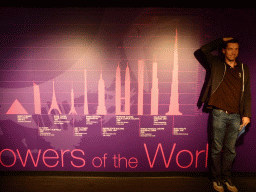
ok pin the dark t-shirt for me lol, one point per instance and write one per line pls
(227, 96)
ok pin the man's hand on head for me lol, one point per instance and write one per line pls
(227, 38)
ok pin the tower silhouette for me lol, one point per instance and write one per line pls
(72, 110)
(174, 98)
(154, 91)
(127, 96)
(140, 86)
(101, 109)
(86, 111)
(54, 104)
(127, 91)
(118, 91)
(37, 99)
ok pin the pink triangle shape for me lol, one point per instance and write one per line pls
(16, 108)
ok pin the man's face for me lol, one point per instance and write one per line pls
(231, 51)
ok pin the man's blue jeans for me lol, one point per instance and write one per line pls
(224, 134)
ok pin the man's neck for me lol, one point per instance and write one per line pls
(232, 64)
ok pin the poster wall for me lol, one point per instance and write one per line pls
(104, 90)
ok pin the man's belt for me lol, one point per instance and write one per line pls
(227, 112)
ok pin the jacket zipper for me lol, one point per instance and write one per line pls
(243, 83)
(221, 80)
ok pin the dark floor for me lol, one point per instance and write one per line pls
(44, 183)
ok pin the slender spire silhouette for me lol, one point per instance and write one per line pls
(174, 98)
(72, 110)
(54, 104)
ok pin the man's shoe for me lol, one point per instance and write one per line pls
(217, 185)
(230, 185)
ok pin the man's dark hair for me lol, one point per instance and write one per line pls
(225, 43)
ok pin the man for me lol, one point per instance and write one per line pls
(228, 95)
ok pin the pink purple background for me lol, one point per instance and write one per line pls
(45, 45)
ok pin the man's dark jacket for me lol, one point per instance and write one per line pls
(217, 69)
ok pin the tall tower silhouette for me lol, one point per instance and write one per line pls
(174, 98)
(86, 111)
(140, 86)
(154, 91)
(37, 99)
(101, 109)
(54, 104)
(118, 91)
(127, 92)
(72, 110)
